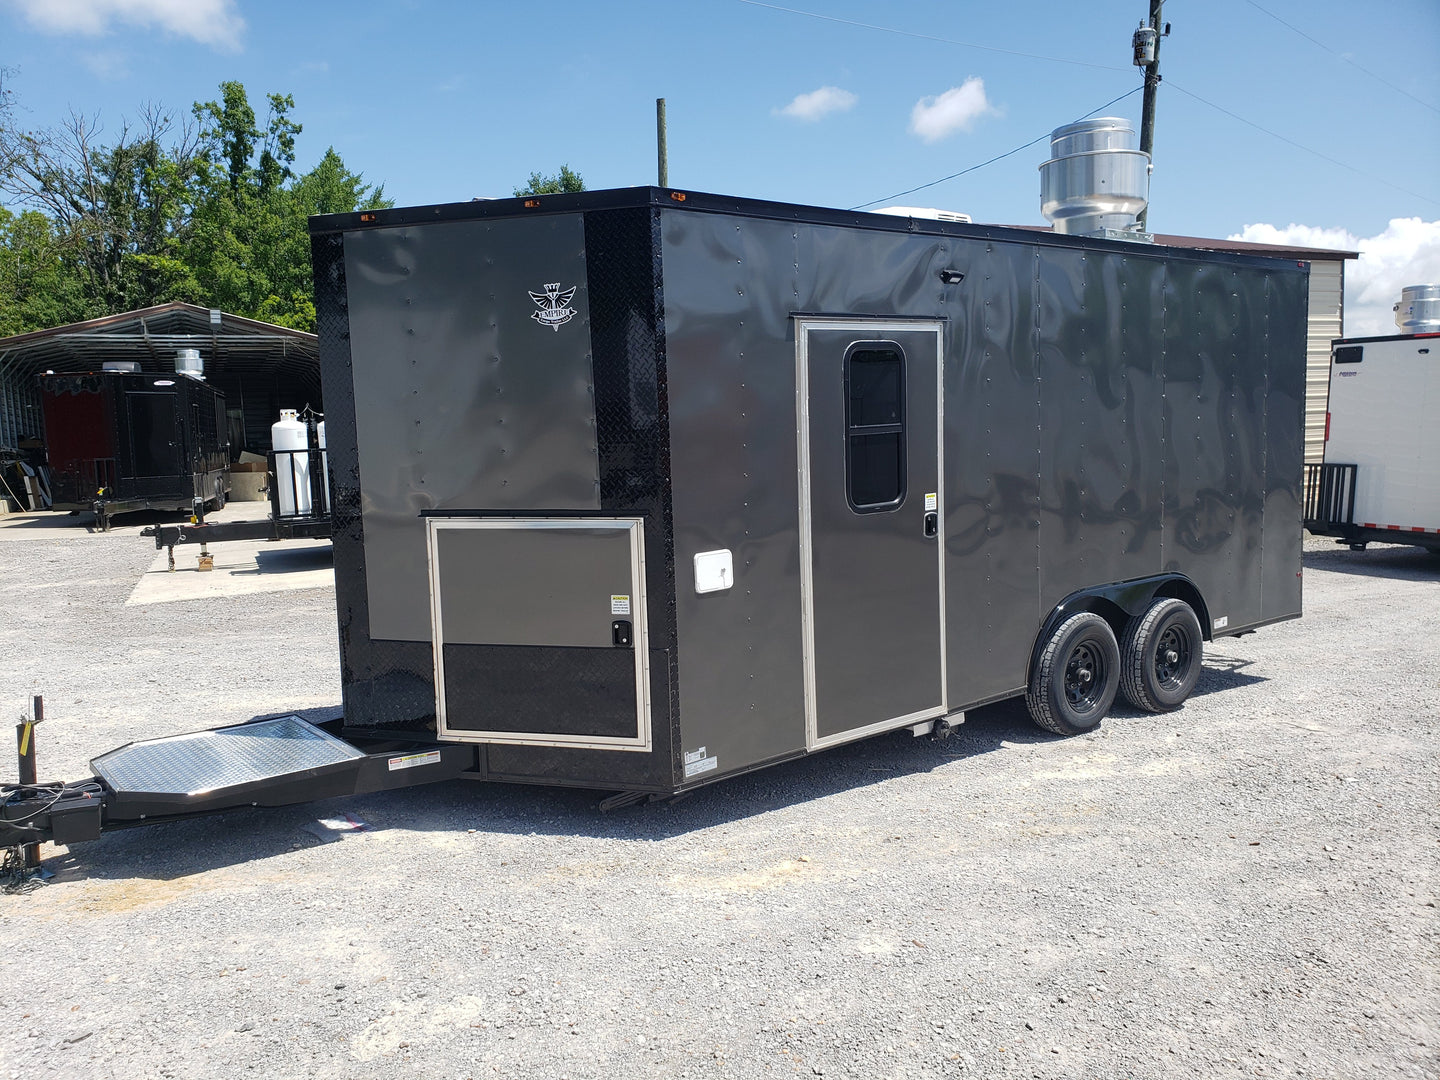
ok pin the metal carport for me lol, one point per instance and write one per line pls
(262, 368)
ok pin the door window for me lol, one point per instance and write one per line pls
(875, 426)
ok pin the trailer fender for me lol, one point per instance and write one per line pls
(1119, 602)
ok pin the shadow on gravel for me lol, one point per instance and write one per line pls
(290, 561)
(251, 836)
(1224, 673)
(83, 523)
(238, 837)
(1378, 560)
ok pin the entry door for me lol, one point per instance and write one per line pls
(154, 440)
(871, 524)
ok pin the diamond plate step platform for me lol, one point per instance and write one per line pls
(228, 766)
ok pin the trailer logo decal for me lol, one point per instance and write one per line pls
(552, 303)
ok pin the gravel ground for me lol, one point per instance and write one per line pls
(1247, 887)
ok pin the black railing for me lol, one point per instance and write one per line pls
(1330, 494)
(297, 484)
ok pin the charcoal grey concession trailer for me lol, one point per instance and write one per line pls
(637, 489)
(641, 488)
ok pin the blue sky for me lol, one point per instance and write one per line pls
(444, 101)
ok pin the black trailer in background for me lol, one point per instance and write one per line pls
(121, 441)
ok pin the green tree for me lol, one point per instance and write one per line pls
(561, 183)
(37, 287)
(210, 211)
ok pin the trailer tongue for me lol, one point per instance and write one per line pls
(270, 762)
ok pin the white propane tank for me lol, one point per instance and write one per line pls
(292, 471)
(325, 469)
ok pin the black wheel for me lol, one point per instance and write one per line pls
(1161, 655)
(1357, 547)
(219, 495)
(1076, 676)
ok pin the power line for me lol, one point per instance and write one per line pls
(929, 37)
(1301, 146)
(998, 157)
(1341, 56)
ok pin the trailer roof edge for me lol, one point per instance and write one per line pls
(682, 200)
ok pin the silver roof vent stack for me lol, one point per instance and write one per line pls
(1096, 183)
(188, 362)
(1418, 311)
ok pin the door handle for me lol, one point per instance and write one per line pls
(932, 523)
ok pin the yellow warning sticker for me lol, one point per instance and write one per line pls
(411, 761)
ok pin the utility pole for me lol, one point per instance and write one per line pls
(662, 152)
(1146, 43)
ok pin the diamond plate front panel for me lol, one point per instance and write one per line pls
(206, 760)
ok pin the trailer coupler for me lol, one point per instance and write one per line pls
(56, 811)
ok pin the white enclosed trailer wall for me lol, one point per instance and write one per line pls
(1382, 420)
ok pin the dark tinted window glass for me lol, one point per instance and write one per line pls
(875, 426)
(876, 478)
(874, 387)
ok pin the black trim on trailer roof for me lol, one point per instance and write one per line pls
(703, 202)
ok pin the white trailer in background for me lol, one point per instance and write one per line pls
(1380, 481)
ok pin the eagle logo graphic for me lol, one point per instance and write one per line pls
(553, 303)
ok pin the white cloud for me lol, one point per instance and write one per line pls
(1406, 253)
(109, 65)
(211, 22)
(819, 103)
(957, 109)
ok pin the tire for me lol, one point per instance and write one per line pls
(219, 495)
(1160, 656)
(1076, 676)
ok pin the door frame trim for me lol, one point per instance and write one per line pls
(876, 327)
(635, 528)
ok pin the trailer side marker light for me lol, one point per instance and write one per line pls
(1327, 427)
(369, 217)
(678, 196)
(531, 204)
(951, 277)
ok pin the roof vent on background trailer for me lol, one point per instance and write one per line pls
(188, 362)
(1096, 183)
(1418, 311)
(127, 366)
(928, 213)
